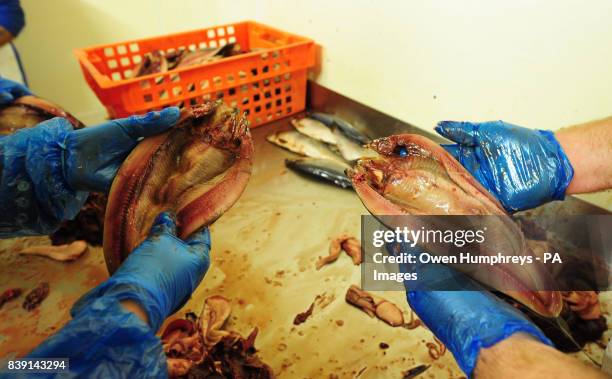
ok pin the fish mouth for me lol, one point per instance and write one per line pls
(413, 175)
(196, 170)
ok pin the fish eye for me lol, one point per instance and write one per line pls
(401, 150)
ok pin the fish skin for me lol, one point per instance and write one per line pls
(298, 143)
(324, 169)
(314, 129)
(349, 130)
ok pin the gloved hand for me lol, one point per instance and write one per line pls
(104, 339)
(460, 312)
(160, 274)
(469, 320)
(523, 168)
(94, 154)
(11, 91)
(47, 171)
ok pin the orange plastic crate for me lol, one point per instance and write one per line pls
(268, 83)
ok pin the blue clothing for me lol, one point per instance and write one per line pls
(104, 340)
(47, 172)
(34, 194)
(12, 17)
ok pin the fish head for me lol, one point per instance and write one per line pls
(225, 130)
(412, 175)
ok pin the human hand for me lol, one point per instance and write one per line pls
(467, 321)
(461, 313)
(11, 91)
(94, 154)
(523, 168)
(160, 274)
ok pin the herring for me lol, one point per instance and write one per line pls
(349, 130)
(303, 145)
(349, 149)
(314, 129)
(324, 169)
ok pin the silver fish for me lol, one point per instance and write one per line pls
(325, 169)
(349, 149)
(314, 129)
(300, 144)
(349, 130)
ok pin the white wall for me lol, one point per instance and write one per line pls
(542, 64)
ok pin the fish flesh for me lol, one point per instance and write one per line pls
(343, 242)
(86, 226)
(325, 169)
(202, 347)
(415, 176)
(197, 170)
(303, 145)
(62, 253)
(349, 130)
(8, 295)
(374, 305)
(29, 111)
(314, 129)
(36, 296)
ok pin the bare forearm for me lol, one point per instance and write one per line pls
(589, 149)
(520, 356)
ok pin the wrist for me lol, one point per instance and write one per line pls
(564, 172)
(468, 321)
(588, 148)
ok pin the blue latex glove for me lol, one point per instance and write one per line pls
(94, 154)
(47, 171)
(523, 168)
(105, 340)
(461, 313)
(161, 273)
(34, 196)
(11, 91)
(11, 16)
